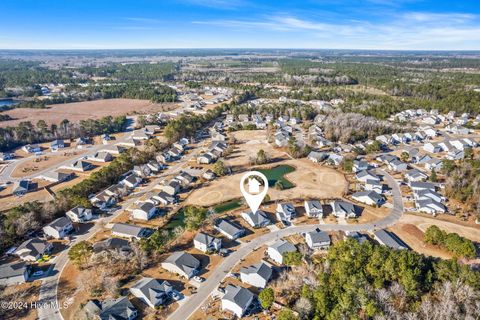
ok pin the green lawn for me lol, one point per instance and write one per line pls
(277, 174)
(227, 206)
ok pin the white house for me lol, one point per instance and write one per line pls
(145, 211)
(152, 292)
(276, 250)
(256, 275)
(182, 263)
(371, 198)
(79, 214)
(343, 209)
(33, 249)
(359, 165)
(207, 243)
(229, 229)
(58, 228)
(285, 211)
(317, 240)
(236, 300)
(432, 148)
(257, 220)
(313, 208)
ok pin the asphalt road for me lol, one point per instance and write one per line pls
(195, 301)
(49, 286)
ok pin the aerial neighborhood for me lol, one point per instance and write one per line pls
(142, 215)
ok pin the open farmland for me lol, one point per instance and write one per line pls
(77, 111)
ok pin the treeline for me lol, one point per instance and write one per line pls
(368, 281)
(462, 182)
(302, 112)
(18, 222)
(354, 127)
(455, 244)
(27, 133)
(187, 125)
(145, 72)
(133, 90)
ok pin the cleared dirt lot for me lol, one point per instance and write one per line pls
(77, 111)
(423, 222)
(310, 180)
(39, 163)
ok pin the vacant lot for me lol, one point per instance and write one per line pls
(40, 163)
(310, 180)
(77, 111)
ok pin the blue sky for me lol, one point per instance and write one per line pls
(354, 24)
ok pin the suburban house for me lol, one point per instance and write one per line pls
(33, 249)
(206, 158)
(371, 198)
(58, 228)
(432, 148)
(115, 149)
(230, 229)
(79, 165)
(209, 175)
(55, 176)
(313, 208)
(79, 214)
(145, 211)
(101, 156)
(109, 309)
(140, 135)
(256, 275)
(374, 185)
(365, 175)
(142, 170)
(389, 239)
(397, 165)
(154, 166)
(172, 187)
(317, 157)
(152, 292)
(317, 239)
(343, 209)
(285, 212)
(4, 156)
(237, 300)
(335, 159)
(455, 155)
(104, 200)
(20, 187)
(434, 164)
(428, 194)
(163, 198)
(359, 165)
(183, 264)
(207, 243)
(14, 273)
(118, 245)
(131, 181)
(415, 175)
(416, 186)
(130, 231)
(356, 236)
(256, 220)
(277, 249)
(430, 206)
(57, 144)
(185, 178)
(32, 148)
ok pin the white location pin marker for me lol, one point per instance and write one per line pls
(254, 197)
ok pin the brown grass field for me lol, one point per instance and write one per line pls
(77, 111)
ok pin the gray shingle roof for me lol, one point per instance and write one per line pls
(238, 295)
(184, 261)
(261, 268)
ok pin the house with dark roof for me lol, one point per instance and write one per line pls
(152, 292)
(163, 198)
(276, 250)
(207, 243)
(285, 211)
(371, 198)
(33, 249)
(237, 300)
(257, 275)
(130, 231)
(343, 209)
(365, 175)
(317, 239)
(57, 144)
(389, 239)
(183, 264)
(118, 245)
(313, 208)
(58, 228)
(145, 211)
(229, 229)
(111, 309)
(55, 176)
(101, 156)
(257, 220)
(14, 273)
(79, 214)
(20, 187)
(79, 165)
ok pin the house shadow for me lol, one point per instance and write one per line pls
(358, 210)
(82, 228)
(58, 247)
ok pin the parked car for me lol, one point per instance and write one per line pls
(198, 279)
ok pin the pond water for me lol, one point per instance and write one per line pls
(278, 174)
